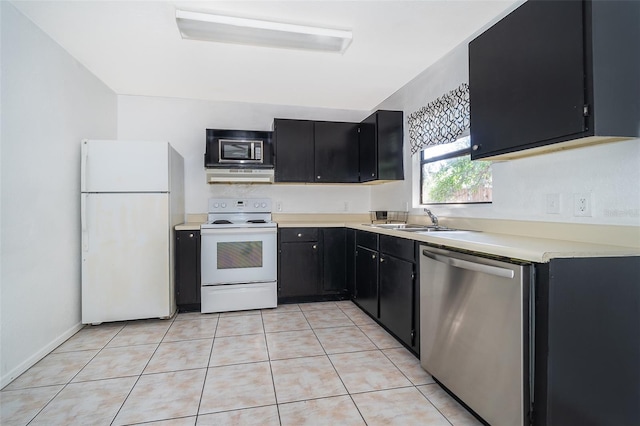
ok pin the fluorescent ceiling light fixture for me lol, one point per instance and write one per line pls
(228, 29)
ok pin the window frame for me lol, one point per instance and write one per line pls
(450, 155)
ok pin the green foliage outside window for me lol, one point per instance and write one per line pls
(451, 177)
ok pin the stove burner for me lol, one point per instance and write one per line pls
(221, 222)
(256, 221)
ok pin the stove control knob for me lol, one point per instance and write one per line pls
(256, 205)
(216, 205)
(223, 205)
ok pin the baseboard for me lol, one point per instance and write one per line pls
(32, 360)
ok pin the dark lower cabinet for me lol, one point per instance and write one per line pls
(312, 264)
(300, 269)
(396, 284)
(386, 285)
(187, 270)
(334, 262)
(350, 255)
(366, 295)
(587, 334)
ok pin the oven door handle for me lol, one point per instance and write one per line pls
(232, 231)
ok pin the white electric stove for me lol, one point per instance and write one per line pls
(238, 255)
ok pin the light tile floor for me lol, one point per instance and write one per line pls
(310, 364)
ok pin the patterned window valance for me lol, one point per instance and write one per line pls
(441, 121)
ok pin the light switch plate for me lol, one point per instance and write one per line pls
(553, 203)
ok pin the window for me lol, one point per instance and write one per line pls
(448, 176)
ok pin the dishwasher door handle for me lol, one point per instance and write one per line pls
(472, 266)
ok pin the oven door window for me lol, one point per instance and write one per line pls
(239, 254)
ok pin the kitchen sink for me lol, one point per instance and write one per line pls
(425, 228)
(409, 227)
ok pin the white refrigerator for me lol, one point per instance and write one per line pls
(132, 196)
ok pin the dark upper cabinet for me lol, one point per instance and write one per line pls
(336, 152)
(294, 147)
(381, 138)
(316, 151)
(187, 270)
(553, 72)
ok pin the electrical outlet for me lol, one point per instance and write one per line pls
(582, 204)
(278, 206)
(553, 203)
(346, 206)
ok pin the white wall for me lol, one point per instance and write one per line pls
(610, 172)
(183, 123)
(49, 103)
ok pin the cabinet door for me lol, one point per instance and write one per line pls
(588, 319)
(381, 139)
(336, 152)
(187, 279)
(334, 260)
(299, 269)
(527, 78)
(368, 147)
(294, 150)
(389, 140)
(367, 280)
(351, 261)
(396, 297)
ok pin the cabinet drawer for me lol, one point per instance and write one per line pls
(290, 235)
(367, 239)
(397, 247)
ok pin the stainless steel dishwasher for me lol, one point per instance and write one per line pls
(474, 325)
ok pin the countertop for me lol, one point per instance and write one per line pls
(529, 249)
(524, 248)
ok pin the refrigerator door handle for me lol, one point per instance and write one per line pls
(83, 166)
(83, 222)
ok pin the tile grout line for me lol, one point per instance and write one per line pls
(206, 372)
(273, 380)
(338, 374)
(145, 366)
(64, 386)
(399, 369)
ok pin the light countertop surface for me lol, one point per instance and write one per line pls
(524, 248)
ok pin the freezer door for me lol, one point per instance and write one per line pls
(124, 166)
(125, 257)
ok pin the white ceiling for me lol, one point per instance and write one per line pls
(135, 48)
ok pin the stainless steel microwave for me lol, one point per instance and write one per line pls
(238, 149)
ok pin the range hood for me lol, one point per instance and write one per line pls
(219, 175)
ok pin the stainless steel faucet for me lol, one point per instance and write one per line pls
(434, 218)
